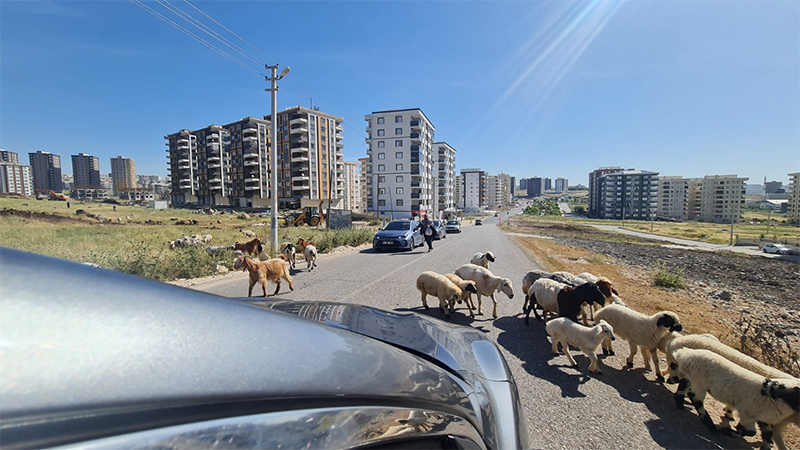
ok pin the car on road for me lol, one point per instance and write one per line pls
(452, 226)
(778, 249)
(478, 222)
(441, 232)
(398, 235)
(159, 366)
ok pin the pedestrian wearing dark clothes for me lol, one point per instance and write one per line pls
(427, 230)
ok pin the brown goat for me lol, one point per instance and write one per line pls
(304, 243)
(253, 247)
(263, 271)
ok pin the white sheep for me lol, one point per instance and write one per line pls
(569, 278)
(640, 330)
(768, 402)
(588, 340)
(467, 289)
(431, 283)
(486, 283)
(482, 259)
(543, 293)
(248, 233)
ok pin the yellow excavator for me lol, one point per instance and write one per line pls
(310, 215)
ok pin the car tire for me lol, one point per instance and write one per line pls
(764, 250)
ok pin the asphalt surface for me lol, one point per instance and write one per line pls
(564, 407)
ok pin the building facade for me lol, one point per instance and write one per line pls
(513, 186)
(562, 185)
(85, 171)
(722, 198)
(628, 194)
(548, 184)
(123, 174)
(594, 191)
(9, 157)
(362, 179)
(794, 198)
(535, 187)
(16, 178)
(498, 191)
(401, 168)
(352, 186)
(771, 187)
(46, 169)
(459, 192)
(445, 186)
(475, 181)
(673, 198)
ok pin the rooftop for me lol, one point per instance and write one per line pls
(405, 110)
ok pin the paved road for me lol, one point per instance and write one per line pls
(565, 408)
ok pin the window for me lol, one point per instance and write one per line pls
(398, 179)
(381, 155)
(381, 168)
(398, 191)
(380, 120)
(381, 132)
(398, 131)
(398, 119)
(398, 155)
(399, 202)
(381, 144)
(382, 202)
(382, 191)
(381, 179)
(398, 143)
(398, 167)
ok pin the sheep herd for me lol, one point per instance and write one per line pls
(699, 364)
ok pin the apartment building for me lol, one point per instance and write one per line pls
(86, 171)
(673, 198)
(594, 191)
(16, 178)
(628, 194)
(352, 187)
(9, 157)
(459, 192)
(562, 185)
(362, 179)
(474, 181)
(722, 198)
(794, 197)
(771, 187)
(46, 169)
(523, 184)
(401, 168)
(513, 186)
(548, 184)
(123, 174)
(498, 191)
(535, 187)
(445, 177)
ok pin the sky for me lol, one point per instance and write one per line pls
(550, 88)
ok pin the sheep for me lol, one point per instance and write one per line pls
(562, 299)
(486, 283)
(263, 271)
(570, 279)
(640, 330)
(543, 293)
(467, 289)
(287, 249)
(531, 277)
(253, 247)
(309, 253)
(431, 283)
(758, 399)
(483, 259)
(248, 233)
(588, 340)
(606, 287)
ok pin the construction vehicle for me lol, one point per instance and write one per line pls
(51, 195)
(310, 215)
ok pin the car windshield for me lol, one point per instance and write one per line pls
(397, 226)
(452, 222)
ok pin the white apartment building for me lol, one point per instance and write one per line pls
(474, 190)
(498, 191)
(459, 193)
(562, 184)
(673, 198)
(362, 180)
(352, 187)
(794, 197)
(400, 173)
(16, 178)
(445, 177)
(722, 198)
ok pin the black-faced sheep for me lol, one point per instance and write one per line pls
(588, 340)
(486, 283)
(640, 330)
(431, 283)
(770, 403)
(482, 259)
(467, 289)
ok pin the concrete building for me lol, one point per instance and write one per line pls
(498, 191)
(523, 184)
(722, 199)
(362, 179)
(401, 170)
(85, 171)
(474, 190)
(46, 169)
(771, 187)
(137, 195)
(594, 191)
(352, 187)
(9, 157)
(88, 193)
(794, 198)
(16, 178)
(459, 192)
(562, 185)
(673, 198)
(535, 187)
(548, 184)
(513, 186)
(123, 174)
(628, 194)
(445, 178)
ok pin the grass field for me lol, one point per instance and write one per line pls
(138, 248)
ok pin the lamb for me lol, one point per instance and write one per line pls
(248, 233)
(588, 340)
(309, 253)
(640, 330)
(263, 271)
(486, 283)
(287, 249)
(562, 299)
(431, 283)
(483, 259)
(467, 289)
(768, 402)
(253, 247)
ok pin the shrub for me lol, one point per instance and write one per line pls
(662, 277)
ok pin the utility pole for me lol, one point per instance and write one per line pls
(273, 154)
(769, 222)
(732, 220)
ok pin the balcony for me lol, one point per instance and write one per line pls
(213, 158)
(339, 144)
(415, 137)
(338, 137)
(300, 178)
(300, 187)
(339, 128)
(298, 159)
(301, 129)
(215, 180)
(251, 162)
(415, 125)
(251, 188)
(298, 121)
(250, 139)
(214, 166)
(249, 155)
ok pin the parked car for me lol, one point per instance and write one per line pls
(776, 248)
(453, 226)
(441, 232)
(478, 222)
(398, 235)
(159, 366)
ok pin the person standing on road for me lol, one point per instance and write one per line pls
(427, 230)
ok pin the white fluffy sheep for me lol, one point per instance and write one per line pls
(431, 283)
(486, 283)
(531, 277)
(467, 289)
(640, 330)
(771, 403)
(544, 293)
(482, 259)
(567, 332)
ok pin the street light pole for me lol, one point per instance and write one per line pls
(273, 154)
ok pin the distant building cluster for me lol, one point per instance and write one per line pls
(478, 191)
(538, 186)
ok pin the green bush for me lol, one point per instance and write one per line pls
(662, 277)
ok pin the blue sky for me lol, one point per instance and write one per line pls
(530, 88)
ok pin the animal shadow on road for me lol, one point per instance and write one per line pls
(458, 317)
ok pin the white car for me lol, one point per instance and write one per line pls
(776, 248)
